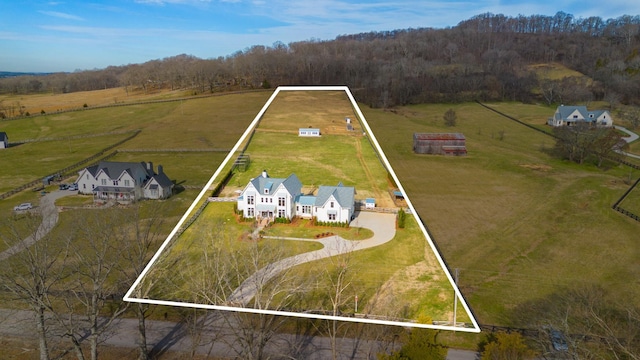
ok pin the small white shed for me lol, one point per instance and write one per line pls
(308, 132)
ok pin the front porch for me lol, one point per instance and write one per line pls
(104, 194)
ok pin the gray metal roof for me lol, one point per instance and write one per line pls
(115, 169)
(344, 195)
(291, 183)
(564, 112)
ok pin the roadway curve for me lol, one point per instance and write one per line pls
(629, 139)
(382, 225)
(49, 213)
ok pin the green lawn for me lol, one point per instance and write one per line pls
(517, 223)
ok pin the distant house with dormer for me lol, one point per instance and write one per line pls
(4, 140)
(266, 197)
(573, 115)
(124, 182)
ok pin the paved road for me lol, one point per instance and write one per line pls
(49, 213)
(382, 225)
(629, 139)
(217, 339)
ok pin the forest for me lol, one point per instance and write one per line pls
(489, 57)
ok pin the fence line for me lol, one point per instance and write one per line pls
(75, 137)
(69, 169)
(172, 150)
(146, 102)
(516, 120)
(616, 205)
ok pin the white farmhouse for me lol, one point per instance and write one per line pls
(573, 115)
(124, 182)
(266, 197)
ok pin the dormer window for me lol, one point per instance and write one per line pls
(266, 191)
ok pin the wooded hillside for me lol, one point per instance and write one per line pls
(488, 57)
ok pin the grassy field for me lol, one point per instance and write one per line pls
(339, 155)
(519, 224)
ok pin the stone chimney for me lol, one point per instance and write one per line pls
(264, 174)
(150, 167)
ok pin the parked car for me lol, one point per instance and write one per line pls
(63, 186)
(73, 187)
(23, 207)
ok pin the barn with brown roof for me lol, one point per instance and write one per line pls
(439, 144)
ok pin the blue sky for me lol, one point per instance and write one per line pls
(47, 36)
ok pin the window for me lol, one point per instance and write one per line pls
(104, 182)
(331, 204)
(127, 183)
(250, 200)
(306, 209)
(281, 201)
(266, 191)
(271, 200)
(250, 212)
(281, 213)
(115, 182)
(332, 217)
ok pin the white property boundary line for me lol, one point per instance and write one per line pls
(374, 141)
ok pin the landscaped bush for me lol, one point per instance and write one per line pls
(282, 220)
(402, 217)
(344, 224)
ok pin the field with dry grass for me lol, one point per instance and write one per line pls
(519, 224)
(55, 102)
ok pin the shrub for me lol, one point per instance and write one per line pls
(402, 217)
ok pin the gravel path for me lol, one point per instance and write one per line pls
(382, 225)
(49, 213)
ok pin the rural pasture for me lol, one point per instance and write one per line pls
(399, 281)
(518, 224)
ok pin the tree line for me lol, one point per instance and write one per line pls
(487, 57)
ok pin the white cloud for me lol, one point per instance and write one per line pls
(62, 15)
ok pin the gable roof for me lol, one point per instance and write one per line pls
(115, 169)
(292, 184)
(163, 180)
(344, 195)
(564, 112)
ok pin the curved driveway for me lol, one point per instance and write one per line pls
(629, 139)
(382, 225)
(49, 213)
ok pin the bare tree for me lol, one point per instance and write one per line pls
(450, 118)
(97, 247)
(34, 272)
(144, 238)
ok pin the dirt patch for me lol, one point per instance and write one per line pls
(537, 167)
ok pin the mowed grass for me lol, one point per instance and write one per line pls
(517, 223)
